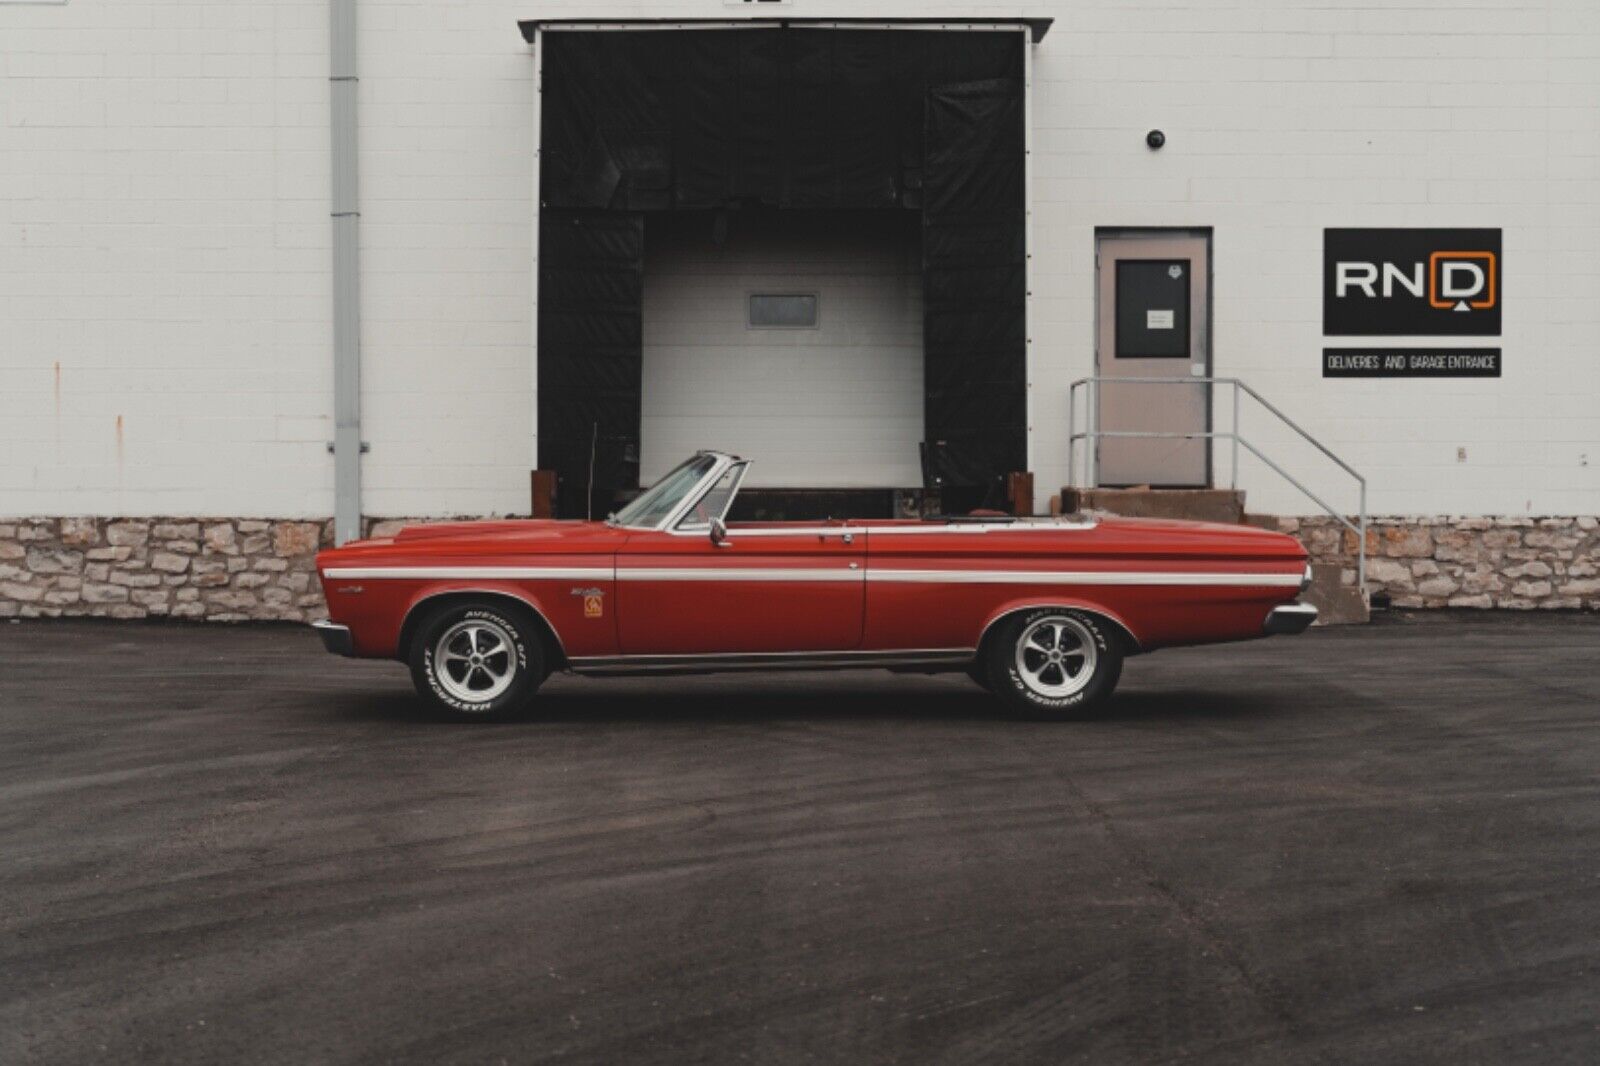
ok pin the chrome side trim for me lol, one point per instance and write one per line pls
(731, 573)
(777, 660)
(1021, 525)
(740, 534)
(1090, 577)
(473, 573)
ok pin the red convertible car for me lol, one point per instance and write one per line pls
(1040, 611)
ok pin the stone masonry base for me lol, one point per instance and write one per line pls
(224, 569)
(217, 569)
(1483, 563)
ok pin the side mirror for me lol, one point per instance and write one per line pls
(719, 533)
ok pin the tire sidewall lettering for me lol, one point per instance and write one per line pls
(518, 643)
(1096, 631)
(509, 626)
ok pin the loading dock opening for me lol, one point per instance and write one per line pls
(838, 116)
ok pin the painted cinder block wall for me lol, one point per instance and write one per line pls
(165, 311)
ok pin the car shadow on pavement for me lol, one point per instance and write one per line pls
(723, 700)
(1199, 705)
(768, 706)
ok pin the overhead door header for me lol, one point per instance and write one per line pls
(1038, 27)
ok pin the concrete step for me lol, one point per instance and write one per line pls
(1337, 603)
(1196, 505)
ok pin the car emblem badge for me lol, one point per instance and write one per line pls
(593, 602)
(1174, 271)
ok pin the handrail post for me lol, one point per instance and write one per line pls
(1235, 470)
(1093, 479)
(1072, 407)
(1361, 560)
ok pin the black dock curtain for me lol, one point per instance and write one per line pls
(642, 121)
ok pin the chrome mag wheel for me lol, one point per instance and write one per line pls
(1056, 656)
(474, 660)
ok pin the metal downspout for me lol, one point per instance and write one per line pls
(347, 446)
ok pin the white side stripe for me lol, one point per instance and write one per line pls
(815, 574)
(469, 573)
(695, 573)
(1090, 577)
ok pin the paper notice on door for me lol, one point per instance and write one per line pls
(1158, 319)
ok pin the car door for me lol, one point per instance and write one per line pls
(767, 587)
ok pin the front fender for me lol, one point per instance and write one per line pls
(536, 601)
(379, 612)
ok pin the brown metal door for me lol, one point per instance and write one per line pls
(1152, 304)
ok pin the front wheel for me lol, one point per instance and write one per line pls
(477, 660)
(1054, 663)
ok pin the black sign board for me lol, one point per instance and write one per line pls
(1411, 282)
(1411, 362)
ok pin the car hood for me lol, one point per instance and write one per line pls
(490, 536)
(533, 529)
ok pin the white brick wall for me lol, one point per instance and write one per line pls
(164, 309)
(164, 257)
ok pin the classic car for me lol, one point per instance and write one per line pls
(1039, 611)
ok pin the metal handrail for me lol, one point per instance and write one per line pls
(1095, 433)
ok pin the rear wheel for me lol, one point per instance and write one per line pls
(1054, 663)
(477, 660)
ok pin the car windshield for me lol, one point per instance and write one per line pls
(658, 501)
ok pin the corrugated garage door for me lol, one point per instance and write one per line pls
(836, 404)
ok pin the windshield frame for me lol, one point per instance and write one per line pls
(688, 523)
(721, 461)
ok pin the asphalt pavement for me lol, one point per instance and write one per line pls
(1377, 844)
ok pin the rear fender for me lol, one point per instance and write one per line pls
(1078, 603)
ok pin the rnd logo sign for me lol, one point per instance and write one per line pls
(1411, 282)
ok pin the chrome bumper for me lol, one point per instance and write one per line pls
(1289, 619)
(335, 638)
